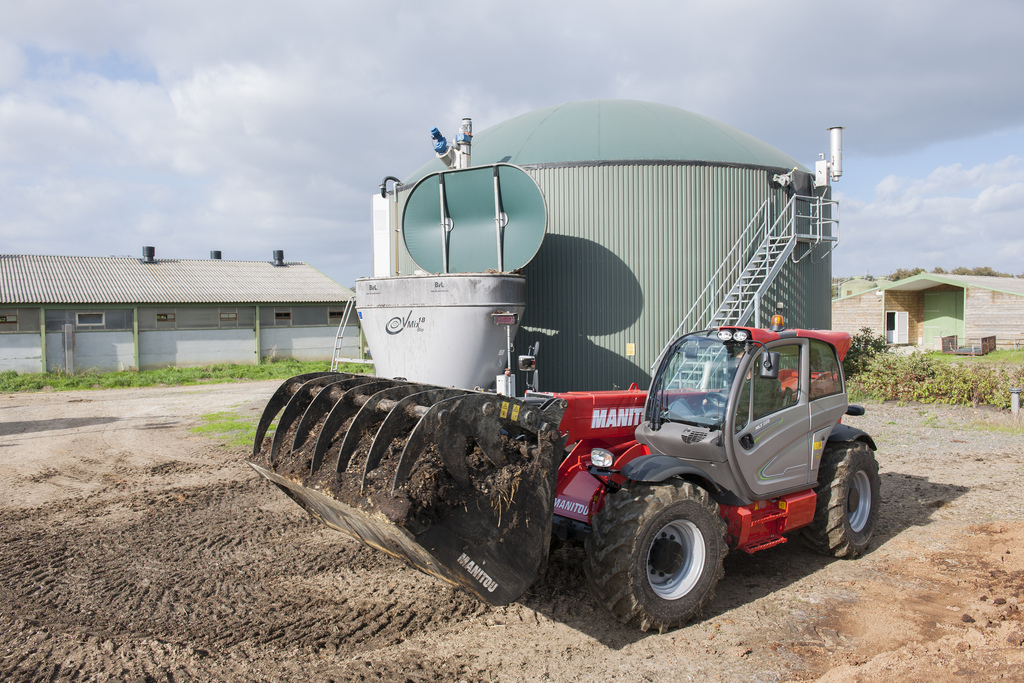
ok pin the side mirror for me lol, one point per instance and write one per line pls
(528, 363)
(854, 410)
(768, 365)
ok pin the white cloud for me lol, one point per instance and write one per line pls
(953, 217)
(267, 125)
(12, 64)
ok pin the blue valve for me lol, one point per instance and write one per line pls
(440, 144)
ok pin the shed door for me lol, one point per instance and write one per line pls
(896, 325)
(943, 316)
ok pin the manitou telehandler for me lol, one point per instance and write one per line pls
(737, 444)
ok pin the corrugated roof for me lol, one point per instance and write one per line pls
(120, 280)
(1009, 285)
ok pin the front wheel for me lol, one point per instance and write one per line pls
(655, 554)
(848, 500)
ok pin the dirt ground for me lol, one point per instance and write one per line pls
(133, 549)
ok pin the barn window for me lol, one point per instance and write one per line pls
(9, 319)
(165, 317)
(90, 319)
(282, 315)
(228, 317)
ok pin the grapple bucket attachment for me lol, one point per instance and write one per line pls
(459, 484)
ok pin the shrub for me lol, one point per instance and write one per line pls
(864, 346)
(890, 377)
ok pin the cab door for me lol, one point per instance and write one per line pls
(771, 423)
(828, 399)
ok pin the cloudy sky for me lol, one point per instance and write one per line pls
(248, 126)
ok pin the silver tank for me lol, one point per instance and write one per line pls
(440, 329)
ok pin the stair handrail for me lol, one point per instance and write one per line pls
(755, 236)
(781, 233)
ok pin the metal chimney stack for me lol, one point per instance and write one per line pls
(835, 139)
(149, 254)
(278, 257)
(215, 255)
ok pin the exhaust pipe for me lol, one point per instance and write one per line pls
(835, 140)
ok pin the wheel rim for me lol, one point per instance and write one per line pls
(858, 504)
(675, 559)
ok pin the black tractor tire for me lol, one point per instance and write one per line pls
(848, 500)
(654, 555)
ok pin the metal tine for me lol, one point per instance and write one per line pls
(350, 398)
(276, 403)
(400, 422)
(373, 412)
(295, 408)
(447, 424)
(322, 404)
(431, 430)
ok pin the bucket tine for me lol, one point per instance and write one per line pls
(314, 416)
(276, 403)
(351, 396)
(399, 423)
(493, 421)
(293, 412)
(364, 426)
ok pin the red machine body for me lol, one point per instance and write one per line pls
(608, 420)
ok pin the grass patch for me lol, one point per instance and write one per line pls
(11, 382)
(235, 430)
(999, 357)
(1005, 426)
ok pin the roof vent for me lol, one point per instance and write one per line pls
(278, 257)
(215, 255)
(149, 254)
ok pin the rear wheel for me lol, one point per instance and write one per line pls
(655, 554)
(848, 500)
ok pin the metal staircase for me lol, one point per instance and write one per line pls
(733, 294)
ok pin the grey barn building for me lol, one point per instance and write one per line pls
(82, 313)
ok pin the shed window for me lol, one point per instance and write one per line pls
(165, 317)
(228, 316)
(8, 319)
(283, 315)
(335, 316)
(91, 319)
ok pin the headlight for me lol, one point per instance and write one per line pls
(599, 457)
(725, 335)
(740, 335)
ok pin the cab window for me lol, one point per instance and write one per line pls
(760, 396)
(825, 377)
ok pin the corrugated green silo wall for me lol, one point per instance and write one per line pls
(629, 248)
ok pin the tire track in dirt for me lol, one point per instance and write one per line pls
(203, 567)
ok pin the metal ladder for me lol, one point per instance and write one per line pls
(339, 340)
(734, 292)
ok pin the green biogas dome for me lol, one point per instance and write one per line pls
(654, 219)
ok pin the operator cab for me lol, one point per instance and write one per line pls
(749, 408)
